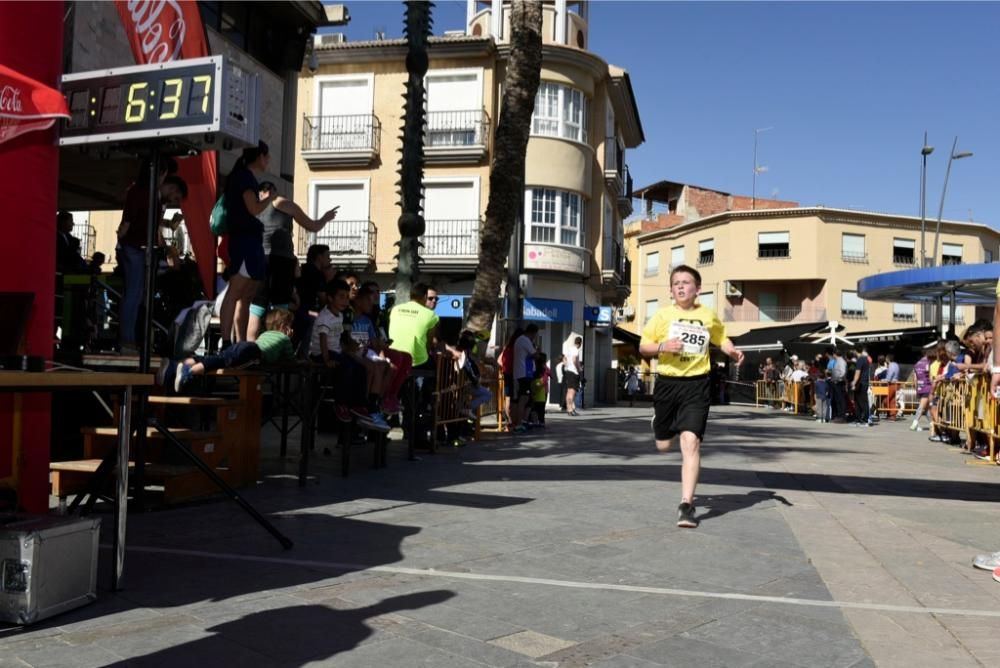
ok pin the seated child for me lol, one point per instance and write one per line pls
(348, 376)
(273, 345)
(371, 347)
(467, 362)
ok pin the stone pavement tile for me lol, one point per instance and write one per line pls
(159, 625)
(6, 662)
(775, 634)
(215, 612)
(682, 652)
(532, 643)
(893, 639)
(395, 652)
(495, 652)
(617, 661)
(60, 655)
(461, 619)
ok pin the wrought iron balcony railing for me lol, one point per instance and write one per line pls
(457, 129)
(750, 313)
(349, 238)
(357, 132)
(449, 238)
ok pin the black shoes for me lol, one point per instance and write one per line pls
(685, 516)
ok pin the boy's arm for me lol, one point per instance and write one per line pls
(325, 349)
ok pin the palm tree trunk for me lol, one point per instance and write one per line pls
(507, 173)
(411, 164)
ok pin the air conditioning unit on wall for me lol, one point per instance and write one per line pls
(734, 288)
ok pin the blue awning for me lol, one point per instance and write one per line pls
(971, 283)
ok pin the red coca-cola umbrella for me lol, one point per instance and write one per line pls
(26, 104)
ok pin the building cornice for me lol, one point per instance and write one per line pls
(388, 50)
(626, 109)
(850, 216)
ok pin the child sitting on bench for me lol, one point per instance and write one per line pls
(272, 346)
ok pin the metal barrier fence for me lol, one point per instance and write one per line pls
(965, 405)
(491, 378)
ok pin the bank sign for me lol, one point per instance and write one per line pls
(548, 310)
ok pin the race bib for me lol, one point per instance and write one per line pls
(694, 337)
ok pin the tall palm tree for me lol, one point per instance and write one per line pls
(411, 164)
(510, 143)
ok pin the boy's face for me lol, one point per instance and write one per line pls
(339, 301)
(683, 288)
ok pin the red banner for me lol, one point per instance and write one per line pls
(160, 31)
(26, 104)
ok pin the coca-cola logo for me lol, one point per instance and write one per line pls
(160, 32)
(10, 99)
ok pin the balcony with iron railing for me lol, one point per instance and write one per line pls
(773, 253)
(335, 141)
(614, 166)
(625, 198)
(904, 260)
(456, 136)
(904, 317)
(752, 313)
(853, 314)
(854, 256)
(351, 242)
(451, 244)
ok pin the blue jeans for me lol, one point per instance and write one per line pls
(133, 262)
(238, 354)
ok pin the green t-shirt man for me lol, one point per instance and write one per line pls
(409, 325)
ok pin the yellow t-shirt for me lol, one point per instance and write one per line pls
(695, 328)
(409, 324)
(998, 288)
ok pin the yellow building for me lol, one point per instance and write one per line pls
(764, 267)
(577, 185)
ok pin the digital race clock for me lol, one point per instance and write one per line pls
(198, 101)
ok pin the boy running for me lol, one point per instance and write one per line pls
(678, 336)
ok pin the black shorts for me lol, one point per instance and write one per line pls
(681, 404)
(571, 380)
(523, 388)
(509, 385)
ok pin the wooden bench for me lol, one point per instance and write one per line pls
(180, 483)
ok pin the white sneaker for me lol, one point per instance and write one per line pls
(987, 562)
(914, 426)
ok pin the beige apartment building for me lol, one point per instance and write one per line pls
(577, 192)
(764, 267)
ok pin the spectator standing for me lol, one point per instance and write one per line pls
(244, 201)
(572, 369)
(859, 385)
(838, 378)
(823, 408)
(631, 385)
(892, 385)
(523, 370)
(282, 263)
(132, 237)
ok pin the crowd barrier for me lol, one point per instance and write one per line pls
(491, 378)
(965, 405)
(792, 397)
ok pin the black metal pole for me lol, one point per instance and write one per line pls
(219, 482)
(146, 340)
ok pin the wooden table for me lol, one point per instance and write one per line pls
(21, 382)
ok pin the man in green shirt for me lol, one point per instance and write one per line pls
(412, 325)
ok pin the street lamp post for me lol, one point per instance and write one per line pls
(947, 172)
(924, 152)
(757, 169)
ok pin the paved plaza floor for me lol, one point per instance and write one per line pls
(820, 545)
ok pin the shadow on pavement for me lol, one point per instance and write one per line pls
(291, 636)
(720, 504)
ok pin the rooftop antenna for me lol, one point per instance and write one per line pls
(757, 169)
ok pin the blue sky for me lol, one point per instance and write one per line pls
(848, 88)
